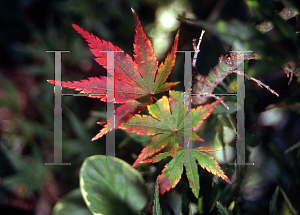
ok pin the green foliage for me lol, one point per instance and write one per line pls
(187, 157)
(222, 209)
(288, 201)
(71, 203)
(273, 207)
(167, 124)
(30, 173)
(111, 188)
(156, 210)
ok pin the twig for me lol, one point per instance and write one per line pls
(259, 83)
(197, 48)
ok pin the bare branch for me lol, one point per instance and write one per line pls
(259, 83)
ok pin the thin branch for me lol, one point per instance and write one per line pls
(197, 48)
(259, 83)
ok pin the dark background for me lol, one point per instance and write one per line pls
(30, 27)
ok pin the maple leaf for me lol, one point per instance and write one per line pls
(135, 81)
(166, 123)
(172, 172)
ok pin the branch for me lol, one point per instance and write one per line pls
(259, 83)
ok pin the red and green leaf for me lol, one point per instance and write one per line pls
(209, 163)
(172, 172)
(139, 79)
(192, 172)
(122, 115)
(166, 124)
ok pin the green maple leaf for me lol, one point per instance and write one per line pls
(167, 124)
(172, 172)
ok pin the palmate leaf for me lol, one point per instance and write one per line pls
(135, 81)
(172, 172)
(166, 124)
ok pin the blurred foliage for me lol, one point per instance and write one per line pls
(30, 27)
(71, 204)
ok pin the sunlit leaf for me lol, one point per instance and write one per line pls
(172, 172)
(166, 124)
(139, 79)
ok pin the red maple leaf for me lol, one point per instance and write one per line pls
(135, 81)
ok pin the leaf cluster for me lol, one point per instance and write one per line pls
(170, 122)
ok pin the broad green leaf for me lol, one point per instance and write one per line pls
(111, 189)
(71, 204)
(166, 123)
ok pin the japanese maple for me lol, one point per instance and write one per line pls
(167, 127)
(166, 123)
(172, 172)
(135, 81)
